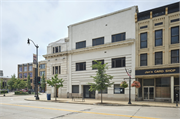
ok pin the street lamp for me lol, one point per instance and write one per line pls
(36, 69)
(129, 86)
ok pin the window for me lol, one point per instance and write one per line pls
(25, 75)
(30, 74)
(158, 58)
(56, 69)
(143, 40)
(118, 37)
(175, 35)
(103, 91)
(119, 62)
(20, 69)
(160, 23)
(143, 59)
(75, 88)
(56, 49)
(80, 44)
(53, 70)
(59, 48)
(175, 56)
(42, 66)
(53, 49)
(80, 66)
(174, 20)
(176, 81)
(42, 72)
(98, 41)
(142, 27)
(118, 89)
(25, 68)
(163, 87)
(30, 68)
(31, 80)
(158, 38)
(93, 62)
(59, 69)
(20, 75)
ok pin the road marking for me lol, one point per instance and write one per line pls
(80, 111)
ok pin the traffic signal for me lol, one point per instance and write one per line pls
(39, 81)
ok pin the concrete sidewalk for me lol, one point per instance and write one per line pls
(105, 102)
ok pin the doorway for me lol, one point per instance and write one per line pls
(176, 91)
(87, 93)
(148, 93)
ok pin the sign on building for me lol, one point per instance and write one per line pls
(34, 60)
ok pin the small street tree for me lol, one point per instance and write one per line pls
(1, 84)
(28, 82)
(19, 84)
(101, 80)
(55, 82)
(11, 82)
(43, 83)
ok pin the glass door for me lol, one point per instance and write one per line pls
(148, 93)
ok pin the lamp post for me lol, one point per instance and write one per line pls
(4, 86)
(129, 86)
(36, 69)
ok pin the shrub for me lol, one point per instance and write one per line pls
(21, 93)
(3, 91)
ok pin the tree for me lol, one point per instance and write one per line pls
(28, 82)
(11, 82)
(19, 84)
(101, 80)
(43, 83)
(1, 84)
(55, 82)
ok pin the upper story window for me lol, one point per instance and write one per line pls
(20, 75)
(42, 66)
(25, 68)
(93, 62)
(118, 37)
(81, 44)
(20, 69)
(56, 49)
(42, 72)
(158, 37)
(30, 74)
(25, 75)
(143, 40)
(56, 69)
(175, 35)
(118, 62)
(75, 88)
(98, 41)
(59, 48)
(30, 68)
(81, 66)
(158, 58)
(143, 59)
(175, 56)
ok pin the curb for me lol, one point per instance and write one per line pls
(109, 104)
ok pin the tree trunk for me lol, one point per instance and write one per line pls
(101, 96)
(55, 94)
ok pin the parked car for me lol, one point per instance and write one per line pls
(24, 90)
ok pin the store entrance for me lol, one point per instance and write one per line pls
(87, 93)
(148, 93)
(176, 91)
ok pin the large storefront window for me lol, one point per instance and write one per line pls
(163, 88)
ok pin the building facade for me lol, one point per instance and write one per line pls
(1, 72)
(109, 38)
(157, 53)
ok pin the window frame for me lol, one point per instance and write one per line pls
(143, 40)
(143, 60)
(175, 35)
(114, 60)
(95, 41)
(78, 66)
(81, 44)
(159, 38)
(115, 38)
(156, 59)
(56, 69)
(75, 87)
(123, 92)
(177, 56)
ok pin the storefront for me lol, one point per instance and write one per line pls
(158, 84)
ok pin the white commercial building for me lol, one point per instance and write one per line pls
(109, 38)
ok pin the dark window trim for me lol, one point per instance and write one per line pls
(76, 87)
(159, 37)
(78, 44)
(144, 40)
(114, 60)
(160, 23)
(174, 20)
(115, 35)
(78, 66)
(142, 27)
(143, 60)
(175, 56)
(59, 69)
(159, 58)
(96, 39)
(175, 35)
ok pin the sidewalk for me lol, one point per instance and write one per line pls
(105, 102)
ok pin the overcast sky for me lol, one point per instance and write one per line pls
(45, 21)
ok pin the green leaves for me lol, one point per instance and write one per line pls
(43, 82)
(28, 82)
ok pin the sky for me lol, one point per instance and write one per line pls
(46, 21)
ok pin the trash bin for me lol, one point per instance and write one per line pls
(48, 96)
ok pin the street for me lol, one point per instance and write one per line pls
(15, 107)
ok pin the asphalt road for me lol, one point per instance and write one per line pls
(15, 107)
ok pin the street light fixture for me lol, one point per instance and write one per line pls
(129, 86)
(36, 69)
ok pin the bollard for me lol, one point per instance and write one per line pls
(176, 99)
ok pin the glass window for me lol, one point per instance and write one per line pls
(31, 80)
(20, 69)
(163, 87)
(98, 41)
(75, 88)
(158, 58)
(175, 35)
(160, 23)
(81, 44)
(56, 49)
(59, 69)
(143, 40)
(158, 38)
(143, 59)
(25, 75)
(30, 68)
(56, 69)
(59, 48)
(81, 66)
(118, 62)
(30, 74)
(175, 56)
(103, 91)
(42, 72)
(25, 68)
(176, 81)
(20, 75)
(53, 70)
(148, 82)
(118, 89)
(93, 62)
(118, 37)
(42, 66)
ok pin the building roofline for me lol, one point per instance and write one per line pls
(102, 16)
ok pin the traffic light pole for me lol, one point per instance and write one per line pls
(37, 97)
